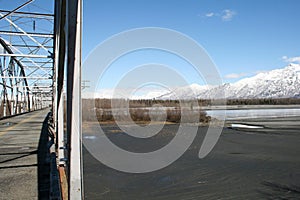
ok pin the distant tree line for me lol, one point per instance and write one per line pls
(142, 103)
(265, 101)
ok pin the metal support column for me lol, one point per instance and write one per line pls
(59, 73)
(74, 8)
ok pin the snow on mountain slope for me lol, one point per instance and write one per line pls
(279, 83)
(187, 92)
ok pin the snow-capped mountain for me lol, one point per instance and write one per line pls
(187, 92)
(279, 83)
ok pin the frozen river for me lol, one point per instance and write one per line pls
(254, 113)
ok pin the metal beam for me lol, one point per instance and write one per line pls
(33, 62)
(4, 45)
(74, 13)
(14, 10)
(59, 72)
(33, 86)
(28, 13)
(25, 55)
(31, 66)
(36, 62)
(15, 33)
(17, 27)
(6, 85)
(42, 92)
(28, 46)
(25, 77)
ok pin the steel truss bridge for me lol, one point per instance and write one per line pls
(40, 66)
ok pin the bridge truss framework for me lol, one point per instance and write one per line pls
(40, 66)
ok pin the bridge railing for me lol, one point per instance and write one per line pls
(68, 33)
(37, 52)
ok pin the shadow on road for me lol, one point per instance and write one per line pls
(18, 157)
(43, 158)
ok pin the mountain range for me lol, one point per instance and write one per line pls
(278, 83)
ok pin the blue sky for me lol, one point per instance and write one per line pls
(242, 37)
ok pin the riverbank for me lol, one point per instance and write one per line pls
(249, 107)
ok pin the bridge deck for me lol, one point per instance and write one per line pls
(19, 142)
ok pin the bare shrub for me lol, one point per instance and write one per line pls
(204, 117)
(188, 116)
(173, 115)
(104, 115)
(140, 114)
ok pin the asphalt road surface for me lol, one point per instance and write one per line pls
(19, 141)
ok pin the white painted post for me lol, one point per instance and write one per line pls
(60, 130)
(74, 8)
